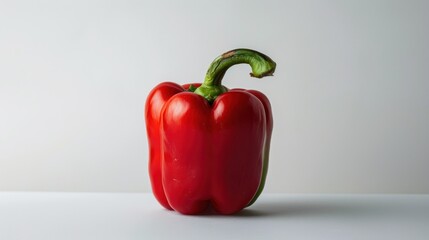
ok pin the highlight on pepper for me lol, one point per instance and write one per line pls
(208, 144)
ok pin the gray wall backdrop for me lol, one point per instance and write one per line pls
(350, 95)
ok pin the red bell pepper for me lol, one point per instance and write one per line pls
(209, 145)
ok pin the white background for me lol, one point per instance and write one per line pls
(350, 94)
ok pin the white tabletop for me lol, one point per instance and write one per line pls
(125, 216)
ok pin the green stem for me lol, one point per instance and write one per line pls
(212, 87)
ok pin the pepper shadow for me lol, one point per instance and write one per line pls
(312, 207)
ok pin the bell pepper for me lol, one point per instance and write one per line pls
(209, 145)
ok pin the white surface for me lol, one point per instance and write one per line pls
(42, 216)
(350, 94)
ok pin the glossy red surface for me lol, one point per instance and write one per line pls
(205, 154)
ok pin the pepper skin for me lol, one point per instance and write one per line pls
(208, 145)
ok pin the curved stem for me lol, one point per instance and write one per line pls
(212, 87)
